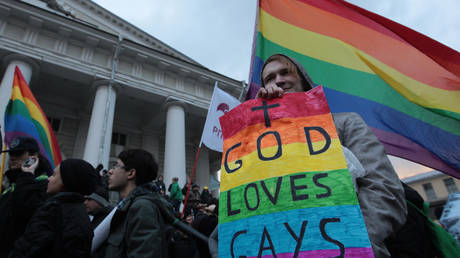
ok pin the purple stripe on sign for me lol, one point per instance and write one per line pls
(349, 252)
(400, 146)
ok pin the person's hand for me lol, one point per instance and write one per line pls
(270, 91)
(31, 168)
(211, 208)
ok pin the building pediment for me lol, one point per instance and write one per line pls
(94, 15)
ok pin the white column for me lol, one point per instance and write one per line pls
(202, 168)
(98, 141)
(151, 143)
(27, 66)
(174, 162)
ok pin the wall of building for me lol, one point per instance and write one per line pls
(438, 185)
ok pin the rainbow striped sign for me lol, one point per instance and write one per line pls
(24, 117)
(405, 85)
(285, 187)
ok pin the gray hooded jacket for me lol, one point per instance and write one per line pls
(380, 193)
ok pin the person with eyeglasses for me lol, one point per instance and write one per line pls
(137, 228)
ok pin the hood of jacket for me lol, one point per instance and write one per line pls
(306, 80)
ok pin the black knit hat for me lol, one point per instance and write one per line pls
(78, 176)
(23, 144)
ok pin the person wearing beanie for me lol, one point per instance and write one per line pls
(61, 227)
(97, 205)
(137, 228)
(380, 193)
(206, 195)
(26, 190)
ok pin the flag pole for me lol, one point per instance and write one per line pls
(197, 156)
(2, 167)
(191, 179)
(243, 88)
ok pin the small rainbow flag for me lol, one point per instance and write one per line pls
(24, 117)
(286, 190)
(405, 85)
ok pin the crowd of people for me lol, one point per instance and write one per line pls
(57, 216)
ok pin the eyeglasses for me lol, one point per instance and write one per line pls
(116, 165)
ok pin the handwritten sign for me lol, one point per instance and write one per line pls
(285, 189)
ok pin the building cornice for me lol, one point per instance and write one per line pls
(126, 28)
(92, 39)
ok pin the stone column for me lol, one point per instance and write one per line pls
(174, 162)
(27, 67)
(98, 140)
(202, 168)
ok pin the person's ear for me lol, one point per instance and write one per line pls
(131, 174)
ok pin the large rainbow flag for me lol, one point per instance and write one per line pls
(24, 117)
(405, 85)
(286, 190)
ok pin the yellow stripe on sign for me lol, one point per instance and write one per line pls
(337, 52)
(295, 158)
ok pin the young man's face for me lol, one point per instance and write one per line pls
(118, 176)
(277, 73)
(55, 184)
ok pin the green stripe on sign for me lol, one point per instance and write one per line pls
(294, 191)
(360, 84)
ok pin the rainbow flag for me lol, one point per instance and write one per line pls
(286, 190)
(24, 117)
(405, 85)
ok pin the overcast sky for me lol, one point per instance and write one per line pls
(218, 34)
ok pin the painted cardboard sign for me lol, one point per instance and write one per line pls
(285, 187)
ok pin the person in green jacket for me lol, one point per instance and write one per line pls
(137, 228)
(176, 194)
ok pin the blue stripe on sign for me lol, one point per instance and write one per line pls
(350, 231)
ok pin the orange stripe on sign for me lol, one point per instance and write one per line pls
(290, 130)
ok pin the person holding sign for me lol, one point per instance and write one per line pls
(380, 193)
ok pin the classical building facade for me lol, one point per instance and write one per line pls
(107, 86)
(434, 187)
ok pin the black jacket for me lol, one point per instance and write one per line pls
(17, 205)
(59, 228)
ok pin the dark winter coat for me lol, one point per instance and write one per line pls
(138, 226)
(160, 185)
(17, 205)
(206, 197)
(414, 238)
(59, 228)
